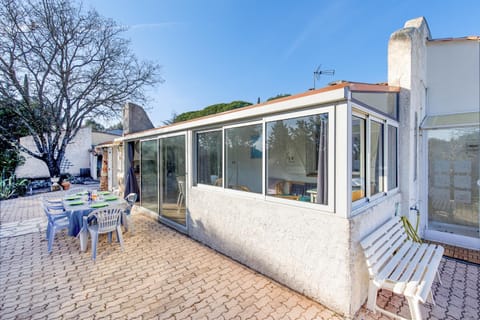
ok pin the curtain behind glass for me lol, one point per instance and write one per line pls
(322, 174)
(131, 184)
(376, 158)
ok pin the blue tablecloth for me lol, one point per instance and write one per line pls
(77, 212)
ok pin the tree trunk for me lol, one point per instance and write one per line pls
(53, 167)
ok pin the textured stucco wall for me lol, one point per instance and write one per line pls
(302, 248)
(407, 65)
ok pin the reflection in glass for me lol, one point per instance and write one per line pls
(243, 158)
(358, 158)
(297, 153)
(376, 158)
(209, 158)
(453, 175)
(149, 175)
(173, 179)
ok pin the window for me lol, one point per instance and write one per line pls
(376, 158)
(392, 157)
(384, 102)
(358, 158)
(243, 158)
(209, 158)
(296, 162)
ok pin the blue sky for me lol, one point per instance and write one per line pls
(215, 51)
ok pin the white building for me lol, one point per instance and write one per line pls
(79, 155)
(291, 186)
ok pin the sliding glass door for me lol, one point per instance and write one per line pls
(172, 179)
(149, 174)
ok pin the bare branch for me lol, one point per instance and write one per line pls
(60, 65)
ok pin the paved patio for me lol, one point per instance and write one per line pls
(164, 274)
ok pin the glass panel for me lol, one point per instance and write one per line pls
(149, 172)
(385, 102)
(450, 120)
(453, 180)
(173, 179)
(209, 158)
(358, 158)
(392, 158)
(376, 158)
(243, 158)
(297, 153)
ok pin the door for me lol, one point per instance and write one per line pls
(149, 175)
(172, 180)
(453, 181)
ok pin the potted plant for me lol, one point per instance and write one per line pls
(65, 183)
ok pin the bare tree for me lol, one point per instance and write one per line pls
(61, 64)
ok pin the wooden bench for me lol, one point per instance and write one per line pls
(400, 265)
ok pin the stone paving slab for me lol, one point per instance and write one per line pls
(163, 274)
(13, 229)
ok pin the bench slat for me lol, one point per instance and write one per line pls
(424, 275)
(399, 264)
(380, 242)
(412, 265)
(424, 287)
(412, 248)
(402, 254)
(381, 257)
(369, 240)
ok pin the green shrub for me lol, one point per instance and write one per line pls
(11, 187)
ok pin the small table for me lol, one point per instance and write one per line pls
(78, 211)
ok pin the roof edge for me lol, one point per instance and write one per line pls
(352, 86)
(466, 38)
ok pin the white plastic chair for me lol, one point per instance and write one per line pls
(104, 220)
(116, 191)
(181, 192)
(131, 198)
(57, 218)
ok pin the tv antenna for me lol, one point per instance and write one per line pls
(317, 73)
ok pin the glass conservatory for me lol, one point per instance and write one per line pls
(286, 187)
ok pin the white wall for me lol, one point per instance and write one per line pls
(407, 63)
(303, 248)
(453, 76)
(76, 154)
